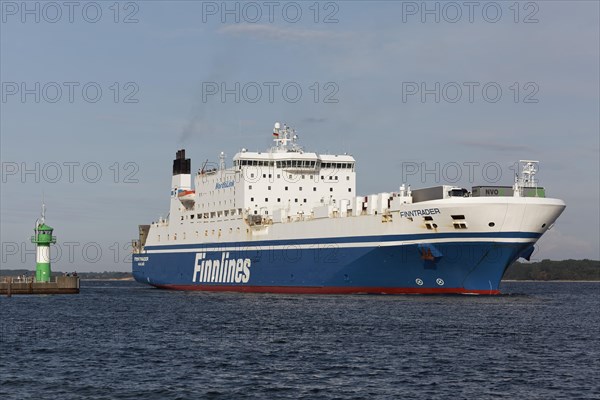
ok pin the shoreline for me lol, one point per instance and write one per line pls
(550, 280)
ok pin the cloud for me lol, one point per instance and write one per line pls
(272, 32)
(314, 120)
(487, 145)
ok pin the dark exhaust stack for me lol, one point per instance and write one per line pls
(181, 165)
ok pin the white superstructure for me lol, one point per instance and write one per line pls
(288, 193)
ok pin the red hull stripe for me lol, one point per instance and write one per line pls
(325, 290)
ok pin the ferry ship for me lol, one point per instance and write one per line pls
(288, 220)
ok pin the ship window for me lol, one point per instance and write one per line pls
(336, 178)
(314, 189)
(305, 200)
(331, 177)
(279, 199)
(296, 200)
(251, 175)
(251, 198)
(278, 176)
(269, 175)
(286, 188)
(428, 218)
(250, 187)
(491, 224)
(349, 189)
(322, 178)
(199, 216)
(255, 212)
(300, 188)
(192, 216)
(347, 178)
(266, 199)
(331, 189)
(269, 187)
(302, 176)
(455, 217)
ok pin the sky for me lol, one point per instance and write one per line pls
(98, 96)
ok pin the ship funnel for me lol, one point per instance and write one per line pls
(181, 165)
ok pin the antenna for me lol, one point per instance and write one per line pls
(222, 160)
(43, 209)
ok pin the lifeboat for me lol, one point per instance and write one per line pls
(187, 197)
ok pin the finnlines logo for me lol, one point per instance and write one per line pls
(224, 270)
(224, 185)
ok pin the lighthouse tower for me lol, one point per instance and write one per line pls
(42, 238)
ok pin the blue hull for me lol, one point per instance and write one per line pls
(448, 267)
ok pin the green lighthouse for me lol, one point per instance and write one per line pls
(42, 238)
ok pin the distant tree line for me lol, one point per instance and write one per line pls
(82, 275)
(548, 270)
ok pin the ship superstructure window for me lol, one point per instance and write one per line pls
(459, 222)
(429, 222)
